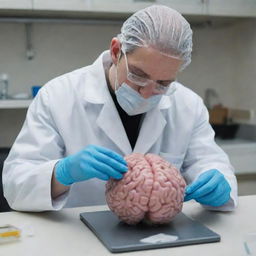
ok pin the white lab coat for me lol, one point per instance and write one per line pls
(75, 110)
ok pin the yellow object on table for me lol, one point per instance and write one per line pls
(9, 233)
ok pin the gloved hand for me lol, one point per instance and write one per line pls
(211, 188)
(91, 162)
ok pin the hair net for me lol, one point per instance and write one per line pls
(161, 28)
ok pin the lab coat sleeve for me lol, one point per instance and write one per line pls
(28, 169)
(204, 154)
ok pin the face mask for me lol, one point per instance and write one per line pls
(132, 102)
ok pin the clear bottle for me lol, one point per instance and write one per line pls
(4, 82)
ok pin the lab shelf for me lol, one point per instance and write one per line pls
(13, 104)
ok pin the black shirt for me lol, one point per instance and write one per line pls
(131, 123)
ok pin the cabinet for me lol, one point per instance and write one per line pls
(16, 4)
(187, 7)
(184, 6)
(234, 8)
(239, 8)
(62, 5)
(98, 8)
(101, 6)
(118, 6)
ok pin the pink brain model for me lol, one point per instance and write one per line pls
(151, 189)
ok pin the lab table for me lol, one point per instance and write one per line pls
(63, 233)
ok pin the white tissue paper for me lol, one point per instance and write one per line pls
(159, 238)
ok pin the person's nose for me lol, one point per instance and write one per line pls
(147, 91)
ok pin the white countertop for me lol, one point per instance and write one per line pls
(13, 104)
(62, 233)
(235, 142)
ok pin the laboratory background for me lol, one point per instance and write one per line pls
(40, 40)
(43, 39)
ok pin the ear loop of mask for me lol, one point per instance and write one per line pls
(172, 89)
(116, 80)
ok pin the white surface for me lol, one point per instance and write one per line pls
(62, 233)
(242, 154)
(242, 8)
(159, 238)
(16, 4)
(10, 104)
(61, 5)
(188, 7)
(118, 6)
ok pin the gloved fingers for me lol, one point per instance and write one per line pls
(209, 198)
(201, 180)
(97, 174)
(117, 166)
(206, 188)
(186, 198)
(110, 154)
(217, 197)
(214, 199)
(105, 169)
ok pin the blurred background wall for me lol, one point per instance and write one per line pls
(224, 58)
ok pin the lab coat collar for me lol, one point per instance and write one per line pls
(151, 129)
(97, 89)
(97, 93)
(153, 125)
(109, 121)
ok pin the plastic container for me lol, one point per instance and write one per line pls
(9, 233)
(35, 90)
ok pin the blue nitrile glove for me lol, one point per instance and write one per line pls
(211, 188)
(91, 162)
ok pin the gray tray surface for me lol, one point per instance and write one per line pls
(120, 237)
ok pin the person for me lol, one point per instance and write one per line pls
(81, 125)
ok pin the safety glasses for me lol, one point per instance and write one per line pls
(143, 82)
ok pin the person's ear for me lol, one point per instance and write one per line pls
(115, 50)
